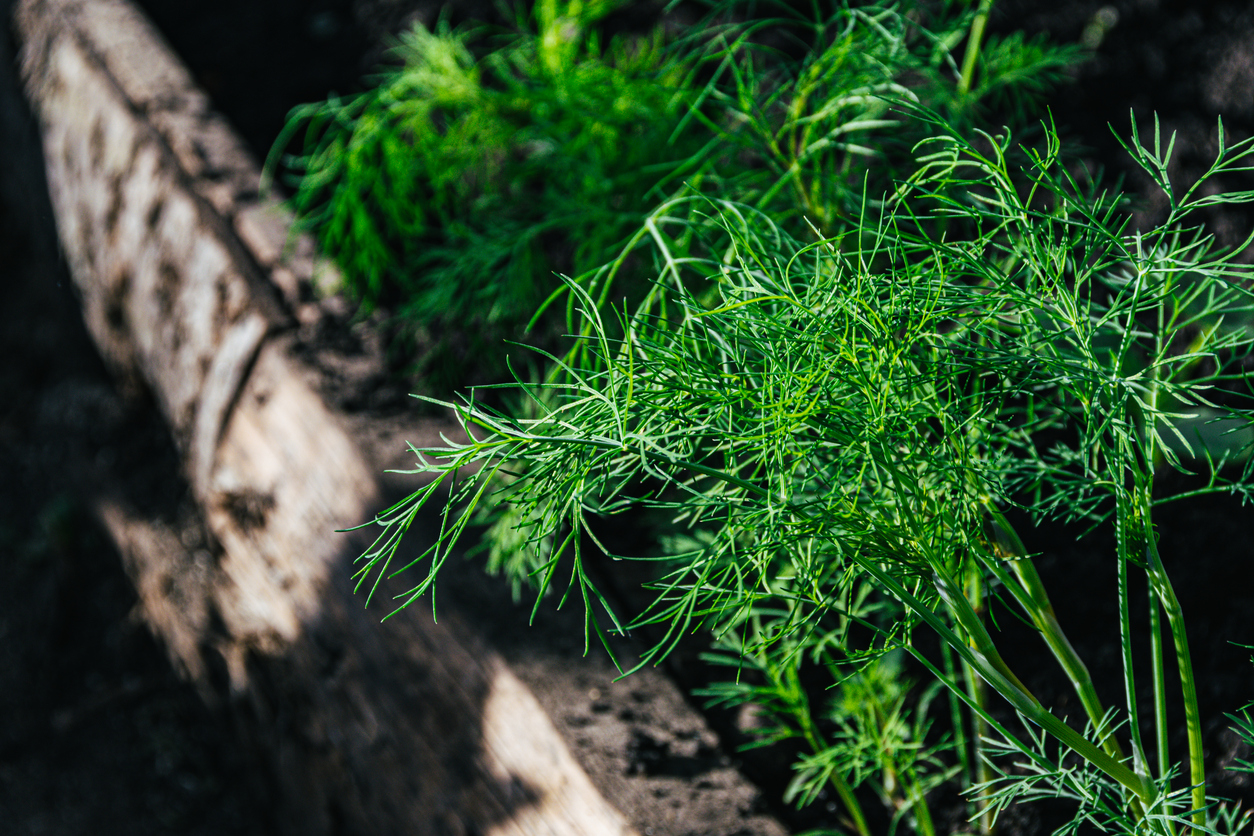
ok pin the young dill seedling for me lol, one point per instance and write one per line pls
(450, 191)
(812, 137)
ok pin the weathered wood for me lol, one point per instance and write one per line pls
(409, 727)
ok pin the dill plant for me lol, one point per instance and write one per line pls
(839, 423)
(454, 189)
(784, 141)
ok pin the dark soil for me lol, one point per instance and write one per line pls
(1189, 63)
(98, 712)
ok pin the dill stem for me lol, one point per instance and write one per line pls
(1160, 685)
(1160, 701)
(978, 690)
(973, 46)
(922, 813)
(848, 799)
(1188, 685)
(956, 719)
(1122, 523)
(1041, 610)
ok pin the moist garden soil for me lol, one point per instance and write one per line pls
(96, 697)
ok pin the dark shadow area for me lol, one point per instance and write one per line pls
(258, 60)
(377, 728)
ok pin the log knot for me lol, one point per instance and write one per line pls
(249, 508)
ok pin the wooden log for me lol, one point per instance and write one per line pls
(406, 727)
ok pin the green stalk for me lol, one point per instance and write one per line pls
(1125, 642)
(1161, 587)
(978, 690)
(922, 813)
(1160, 685)
(1036, 603)
(1124, 547)
(1193, 720)
(1160, 702)
(974, 40)
(991, 721)
(845, 793)
(989, 665)
(1122, 523)
(956, 719)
